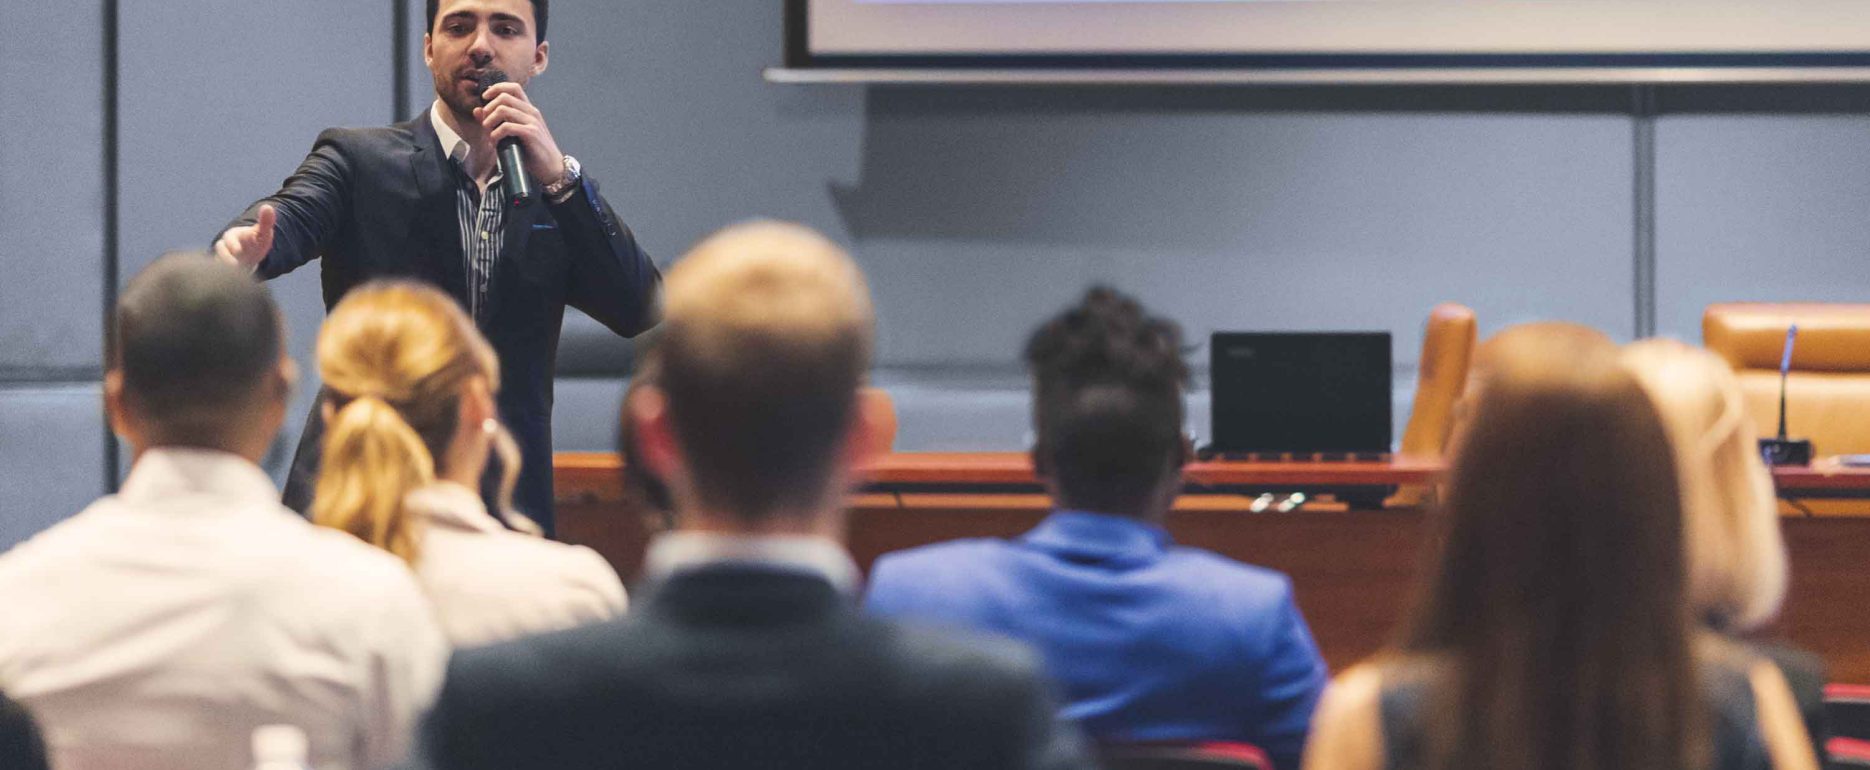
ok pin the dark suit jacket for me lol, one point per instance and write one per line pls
(20, 745)
(380, 203)
(747, 668)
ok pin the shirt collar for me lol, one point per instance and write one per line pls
(453, 505)
(453, 145)
(1099, 536)
(164, 473)
(672, 553)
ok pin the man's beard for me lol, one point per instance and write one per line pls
(461, 98)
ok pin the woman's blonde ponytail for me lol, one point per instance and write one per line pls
(372, 460)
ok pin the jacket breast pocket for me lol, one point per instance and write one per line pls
(544, 261)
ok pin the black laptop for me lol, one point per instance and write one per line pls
(1300, 393)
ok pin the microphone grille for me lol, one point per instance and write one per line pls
(489, 79)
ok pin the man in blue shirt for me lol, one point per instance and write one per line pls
(1149, 641)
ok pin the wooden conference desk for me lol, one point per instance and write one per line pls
(1353, 569)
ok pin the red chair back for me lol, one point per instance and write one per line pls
(1192, 755)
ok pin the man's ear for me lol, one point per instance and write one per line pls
(288, 378)
(872, 429)
(114, 408)
(541, 57)
(1041, 455)
(654, 433)
(428, 49)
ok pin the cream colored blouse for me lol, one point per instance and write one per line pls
(490, 584)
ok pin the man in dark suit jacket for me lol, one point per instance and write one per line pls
(747, 651)
(423, 199)
(21, 748)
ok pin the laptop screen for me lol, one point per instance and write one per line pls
(1300, 391)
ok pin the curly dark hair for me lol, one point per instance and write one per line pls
(1108, 381)
(540, 9)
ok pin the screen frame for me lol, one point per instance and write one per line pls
(1805, 65)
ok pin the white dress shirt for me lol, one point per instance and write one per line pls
(672, 553)
(157, 628)
(489, 584)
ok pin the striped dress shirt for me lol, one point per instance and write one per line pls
(481, 216)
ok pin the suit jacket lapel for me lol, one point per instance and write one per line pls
(437, 216)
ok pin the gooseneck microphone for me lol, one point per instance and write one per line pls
(1782, 450)
(1785, 371)
(512, 161)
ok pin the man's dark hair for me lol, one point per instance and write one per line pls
(194, 339)
(1107, 402)
(540, 9)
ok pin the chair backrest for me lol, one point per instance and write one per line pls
(1198, 755)
(1828, 392)
(1441, 377)
(881, 409)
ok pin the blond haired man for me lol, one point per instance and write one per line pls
(747, 650)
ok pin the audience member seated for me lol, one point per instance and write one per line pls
(159, 627)
(1150, 641)
(21, 747)
(747, 651)
(1555, 630)
(1736, 554)
(410, 422)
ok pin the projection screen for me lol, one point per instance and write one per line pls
(1253, 34)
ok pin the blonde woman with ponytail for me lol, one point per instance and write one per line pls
(411, 420)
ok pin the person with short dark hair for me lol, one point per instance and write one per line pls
(1150, 641)
(746, 650)
(158, 628)
(426, 200)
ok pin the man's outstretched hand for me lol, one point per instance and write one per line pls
(248, 244)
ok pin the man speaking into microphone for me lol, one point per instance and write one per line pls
(439, 199)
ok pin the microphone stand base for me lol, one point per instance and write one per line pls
(1779, 451)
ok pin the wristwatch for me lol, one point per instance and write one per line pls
(561, 189)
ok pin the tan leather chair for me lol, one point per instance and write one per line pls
(881, 408)
(1828, 392)
(1441, 378)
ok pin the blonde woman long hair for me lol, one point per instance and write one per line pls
(1736, 555)
(396, 358)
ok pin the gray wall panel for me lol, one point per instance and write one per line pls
(52, 190)
(976, 212)
(1760, 207)
(52, 453)
(263, 78)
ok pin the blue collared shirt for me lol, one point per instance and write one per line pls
(1148, 641)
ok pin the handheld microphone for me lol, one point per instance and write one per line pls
(1781, 450)
(512, 162)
